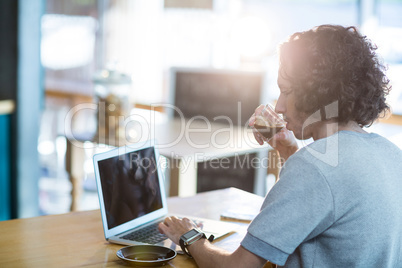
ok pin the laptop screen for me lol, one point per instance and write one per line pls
(130, 186)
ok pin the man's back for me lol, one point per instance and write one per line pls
(337, 204)
(365, 185)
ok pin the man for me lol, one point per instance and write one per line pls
(338, 200)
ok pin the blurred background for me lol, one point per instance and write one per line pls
(57, 54)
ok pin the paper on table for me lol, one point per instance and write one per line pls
(242, 214)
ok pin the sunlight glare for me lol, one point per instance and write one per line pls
(251, 36)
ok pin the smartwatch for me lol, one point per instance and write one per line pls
(191, 237)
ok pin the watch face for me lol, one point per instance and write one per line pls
(190, 234)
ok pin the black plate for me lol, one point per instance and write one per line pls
(146, 255)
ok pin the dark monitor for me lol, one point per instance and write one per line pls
(218, 95)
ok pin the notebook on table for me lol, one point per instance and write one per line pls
(132, 197)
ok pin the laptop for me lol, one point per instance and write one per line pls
(132, 197)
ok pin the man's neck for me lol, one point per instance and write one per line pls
(326, 129)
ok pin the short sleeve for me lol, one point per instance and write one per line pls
(298, 208)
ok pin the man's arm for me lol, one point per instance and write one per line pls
(204, 253)
(208, 255)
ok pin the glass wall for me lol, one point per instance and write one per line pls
(146, 38)
(385, 27)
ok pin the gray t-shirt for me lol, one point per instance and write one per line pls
(338, 203)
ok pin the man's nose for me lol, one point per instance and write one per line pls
(280, 107)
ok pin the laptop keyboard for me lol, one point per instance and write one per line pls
(148, 235)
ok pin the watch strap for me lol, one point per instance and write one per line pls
(184, 247)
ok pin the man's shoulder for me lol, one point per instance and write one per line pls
(327, 152)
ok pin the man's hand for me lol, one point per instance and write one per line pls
(174, 228)
(203, 252)
(284, 141)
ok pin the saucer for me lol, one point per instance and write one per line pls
(146, 255)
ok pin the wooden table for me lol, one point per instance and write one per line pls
(76, 238)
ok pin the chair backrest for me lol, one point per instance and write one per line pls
(216, 94)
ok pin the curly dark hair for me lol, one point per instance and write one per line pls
(335, 63)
